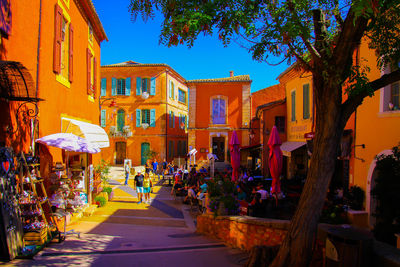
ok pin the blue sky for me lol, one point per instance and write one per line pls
(208, 58)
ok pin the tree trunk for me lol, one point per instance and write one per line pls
(297, 247)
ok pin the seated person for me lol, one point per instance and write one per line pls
(264, 193)
(178, 188)
(256, 207)
(203, 170)
(191, 193)
(241, 195)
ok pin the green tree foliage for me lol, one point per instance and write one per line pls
(386, 192)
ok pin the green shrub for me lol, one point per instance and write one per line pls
(221, 192)
(386, 193)
(101, 201)
(355, 198)
(107, 189)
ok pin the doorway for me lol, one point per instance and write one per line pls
(120, 148)
(145, 148)
(218, 148)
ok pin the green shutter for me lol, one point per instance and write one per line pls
(293, 94)
(103, 91)
(128, 86)
(306, 101)
(138, 86)
(153, 86)
(138, 112)
(103, 118)
(152, 118)
(113, 86)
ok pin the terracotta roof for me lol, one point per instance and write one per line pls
(239, 78)
(131, 63)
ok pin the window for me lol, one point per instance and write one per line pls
(280, 123)
(171, 119)
(171, 90)
(395, 96)
(182, 96)
(90, 34)
(147, 85)
(121, 86)
(63, 47)
(91, 73)
(306, 101)
(103, 118)
(120, 120)
(171, 149)
(103, 91)
(146, 116)
(218, 111)
(293, 99)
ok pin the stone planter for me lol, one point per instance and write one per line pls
(358, 218)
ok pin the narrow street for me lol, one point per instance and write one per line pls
(124, 233)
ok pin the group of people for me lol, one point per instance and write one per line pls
(142, 184)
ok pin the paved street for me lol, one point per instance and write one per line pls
(124, 233)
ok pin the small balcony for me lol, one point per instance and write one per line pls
(125, 133)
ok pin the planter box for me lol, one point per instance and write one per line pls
(358, 218)
(35, 237)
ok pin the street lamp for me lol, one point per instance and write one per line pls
(102, 101)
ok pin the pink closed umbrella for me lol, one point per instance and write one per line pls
(275, 160)
(235, 155)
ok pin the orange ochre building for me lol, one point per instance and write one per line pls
(144, 108)
(217, 108)
(56, 44)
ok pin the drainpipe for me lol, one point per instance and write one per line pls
(166, 115)
(37, 75)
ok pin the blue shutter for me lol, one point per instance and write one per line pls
(138, 112)
(138, 86)
(113, 86)
(128, 86)
(170, 89)
(103, 118)
(173, 120)
(103, 87)
(152, 118)
(153, 86)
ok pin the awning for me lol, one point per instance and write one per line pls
(16, 83)
(91, 132)
(288, 147)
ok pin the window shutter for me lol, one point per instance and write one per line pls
(152, 118)
(88, 70)
(128, 86)
(293, 105)
(138, 86)
(170, 89)
(57, 39)
(173, 119)
(103, 118)
(94, 77)
(306, 101)
(138, 112)
(153, 86)
(71, 53)
(113, 86)
(103, 91)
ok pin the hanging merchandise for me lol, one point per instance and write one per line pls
(10, 214)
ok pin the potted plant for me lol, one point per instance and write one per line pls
(221, 194)
(109, 191)
(100, 201)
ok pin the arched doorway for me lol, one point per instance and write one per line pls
(120, 120)
(120, 149)
(145, 147)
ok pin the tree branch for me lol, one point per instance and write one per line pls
(320, 31)
(350, 105)
(300, 59)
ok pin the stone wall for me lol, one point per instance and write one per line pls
(243, 232)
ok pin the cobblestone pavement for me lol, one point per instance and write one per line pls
(125, 233)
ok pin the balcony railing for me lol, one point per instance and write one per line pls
(126, 132)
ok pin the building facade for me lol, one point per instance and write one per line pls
(150, 117)
(217, 108)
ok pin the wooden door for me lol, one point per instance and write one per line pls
(218, 148)
(120, 148)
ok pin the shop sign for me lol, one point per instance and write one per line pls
(309, 135)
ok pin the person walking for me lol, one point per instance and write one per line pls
(155, 167)
(138, 186)
(164, 168)
(127, 169)
(147, 184)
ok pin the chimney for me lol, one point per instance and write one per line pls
(231, 73)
